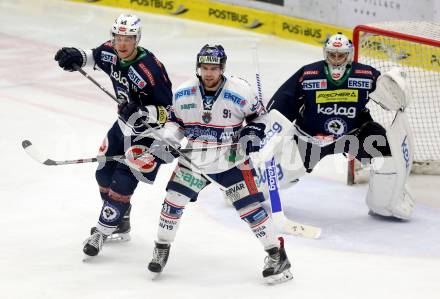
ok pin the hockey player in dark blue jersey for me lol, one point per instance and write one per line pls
(141, 82)
(327, 101)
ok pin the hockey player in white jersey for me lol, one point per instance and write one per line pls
(210, 110)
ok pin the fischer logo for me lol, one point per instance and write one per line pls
(350, 112)
(136, 78)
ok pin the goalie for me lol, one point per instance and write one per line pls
(327, 100)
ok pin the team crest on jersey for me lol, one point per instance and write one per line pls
(206, 117)
(360, 83)
(136, 78)
(109, 57)
(336, 126)
(314, 84)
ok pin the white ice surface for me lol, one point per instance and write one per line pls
(47, 211)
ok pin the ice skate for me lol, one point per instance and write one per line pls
(160, 257)
(93, 244)
(277, 265)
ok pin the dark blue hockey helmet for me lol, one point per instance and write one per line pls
(212, 54)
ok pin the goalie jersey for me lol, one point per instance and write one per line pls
(211, 120)
(325, 109)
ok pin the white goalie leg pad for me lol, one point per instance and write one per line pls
(289, 167)
(387, 194)
(278, 129)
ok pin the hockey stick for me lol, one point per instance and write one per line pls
(43, 159)
(153, 132)
(283, 223)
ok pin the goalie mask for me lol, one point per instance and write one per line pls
(211, 54)
(338, 53)
(126, 24)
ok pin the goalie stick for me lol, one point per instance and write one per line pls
(35, 154)
(284, 224)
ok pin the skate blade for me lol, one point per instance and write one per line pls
(154, 275)
(125, 237)
(87, 258)
(286, 275)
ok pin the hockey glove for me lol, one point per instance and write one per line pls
(251, 137)
(150, 114)
(67, 57)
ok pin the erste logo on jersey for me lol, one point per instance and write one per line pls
(314, 84)
(185, 92)
(136, 78)
(360, 83)
(109, 57)
(234, 98)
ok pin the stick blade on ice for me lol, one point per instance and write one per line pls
(35, 154)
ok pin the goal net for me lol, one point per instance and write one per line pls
(413, 46)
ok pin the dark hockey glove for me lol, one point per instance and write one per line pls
(67, 57)
(126, 109)
(251, 137)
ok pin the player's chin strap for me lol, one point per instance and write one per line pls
(154, 133)
(387, 194)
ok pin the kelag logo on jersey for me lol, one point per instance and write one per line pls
(360, 83)
(350, 112)
(234, 98)
(136, 78)
(185, 92)
(314, 84)
(108, 57)
(337, 96)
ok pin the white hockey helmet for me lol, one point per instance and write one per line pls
(338, 44)
(338, 53)
(127, 24)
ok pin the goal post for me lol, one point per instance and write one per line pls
(413, 46)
